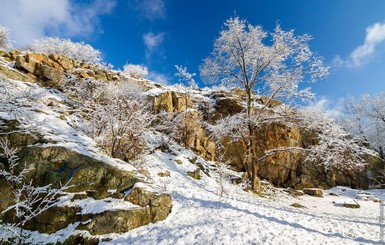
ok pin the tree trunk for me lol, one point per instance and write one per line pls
(256, 182)
(381, 152)
(249, 109)
(251, 148)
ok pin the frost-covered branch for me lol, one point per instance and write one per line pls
(28, 200)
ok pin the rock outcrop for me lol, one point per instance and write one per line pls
(282, 169)
(90, 179)
(285, 168)
(98, 180)
(51, 70)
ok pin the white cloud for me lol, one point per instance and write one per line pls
(326, 105)
(158, 77)
(151, 9)
(338, 62)
(375, 34)
(28, 20)
(152, 41)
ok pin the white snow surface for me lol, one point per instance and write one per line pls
(201, 216)
(92, 206)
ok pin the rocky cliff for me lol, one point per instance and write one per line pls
(282, 169)
(105, 195)
(285, 168)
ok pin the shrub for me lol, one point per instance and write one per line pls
(135, 70)
(5, 42)
(74, 50)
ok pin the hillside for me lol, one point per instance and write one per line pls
(140, 154)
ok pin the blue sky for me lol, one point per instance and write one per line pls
(349, 34)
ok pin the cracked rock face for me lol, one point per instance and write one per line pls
(91, 179)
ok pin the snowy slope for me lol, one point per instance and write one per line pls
(201, 216)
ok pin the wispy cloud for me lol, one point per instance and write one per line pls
(29, 20)
(151, 9)
(361, 55)
(158, 77)
(326, 105)
(152, 42)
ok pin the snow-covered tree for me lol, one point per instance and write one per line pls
(5, 42)
(74, 50)
(275, 68)
(366, 119)
(136, 71)
(243, 57)
(28, 200)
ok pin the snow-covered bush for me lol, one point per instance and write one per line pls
(5, 42)
(136, 71)
(116, 116)
(74, 50)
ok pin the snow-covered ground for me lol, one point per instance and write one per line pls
(201, 216)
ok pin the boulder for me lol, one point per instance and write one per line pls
(140, 196)
(196, 174)
(14, 74)
(295, 192)
(313, 192)
(56, 218)
(297, 205)
(164, 174)
(153, 207)
(11, 55)
(65, 63)
(23, 63)
(117, 221)
(351, 204)
(225, 105)
(57, 164)
(160, 206)
(180, 101)
(51, 77)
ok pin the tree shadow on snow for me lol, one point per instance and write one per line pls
(206, 203)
